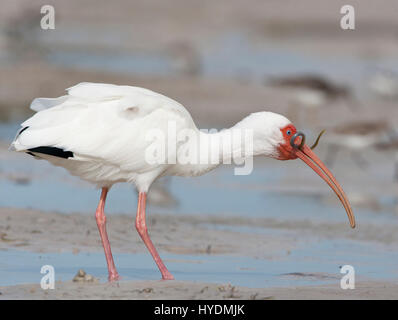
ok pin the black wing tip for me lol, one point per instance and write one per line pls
(20, 131)
(52, 151)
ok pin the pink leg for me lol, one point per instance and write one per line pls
(101, 223)
(140, 224)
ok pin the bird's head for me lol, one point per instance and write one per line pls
(275, 136)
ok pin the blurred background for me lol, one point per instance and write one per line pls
(222, 60)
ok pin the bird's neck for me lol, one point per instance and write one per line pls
(207, 149)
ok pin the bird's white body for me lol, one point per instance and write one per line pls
(102, 133)
(103, 126)
(106, 126)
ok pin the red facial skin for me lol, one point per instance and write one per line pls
(286, 151)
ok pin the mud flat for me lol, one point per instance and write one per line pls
(192, 290)
(211, 258)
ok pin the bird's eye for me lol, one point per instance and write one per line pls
(288, 132)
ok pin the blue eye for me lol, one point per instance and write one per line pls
(288, 132)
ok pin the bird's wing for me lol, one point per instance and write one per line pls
(103, 122)
(40, 104)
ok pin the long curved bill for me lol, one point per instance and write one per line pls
(312, 160)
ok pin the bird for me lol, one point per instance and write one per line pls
(310, 93)
(391, 145)
(384, 84)
(314, 83)
(102, 133)
(357, 137)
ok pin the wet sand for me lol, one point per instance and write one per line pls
(175, 290)
(54, 232)
(36, 231)
(40, 231)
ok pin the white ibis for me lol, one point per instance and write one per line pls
(99, 133)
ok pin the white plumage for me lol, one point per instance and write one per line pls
(99, 132)
(105, 127)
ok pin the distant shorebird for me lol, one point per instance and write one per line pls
(385, 85)
(309, 94)
(392, 145)
(356, 137)
(312, 82)
(98, 132)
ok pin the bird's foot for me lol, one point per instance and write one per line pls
(167, 276)
(113, 277)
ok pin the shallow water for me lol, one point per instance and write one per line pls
(314, 264)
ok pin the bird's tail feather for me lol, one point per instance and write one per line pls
(40, 104)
